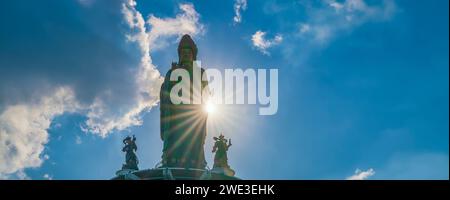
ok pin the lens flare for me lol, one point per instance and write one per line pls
(209, 108)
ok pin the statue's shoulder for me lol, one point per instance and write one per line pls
(173, 66)
(202, 70)
(169, 72)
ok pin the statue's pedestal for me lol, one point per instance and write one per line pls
(127, 174)
(168, 173)
(223, 170)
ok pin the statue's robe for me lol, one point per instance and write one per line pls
(221, 157)
(131, 160)
(183, 127)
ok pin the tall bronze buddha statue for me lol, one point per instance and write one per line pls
(183, 126)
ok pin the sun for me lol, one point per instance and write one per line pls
(209, 107)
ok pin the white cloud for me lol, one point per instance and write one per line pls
(47, 176)
(23, 130)
(262, 44)
(239, 5)
(186, 22)
(362, 175)
(333, 18)
(337, 6)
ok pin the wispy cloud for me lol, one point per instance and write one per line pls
(332, 18)
(327, 20)
(78, 140)
(261, 43)
(239, 6)
(86, 2)
(362, 175)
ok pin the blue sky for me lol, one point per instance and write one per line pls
(363, 85)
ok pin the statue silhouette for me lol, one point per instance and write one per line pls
(131, 160)
(183, 126)
(221, 146)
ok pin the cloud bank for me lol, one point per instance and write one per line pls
(23, 129)
(104, 72)
(239, 6)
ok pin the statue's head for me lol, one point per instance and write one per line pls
(187, 50)
(221, 137)
(127, 140)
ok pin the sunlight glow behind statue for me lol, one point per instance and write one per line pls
(209, 107)
(225, 88)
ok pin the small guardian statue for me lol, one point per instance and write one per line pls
(131, 160)
(221, 146)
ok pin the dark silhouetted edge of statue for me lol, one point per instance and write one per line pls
(183, 146)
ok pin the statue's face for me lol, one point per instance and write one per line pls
(187, 55)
